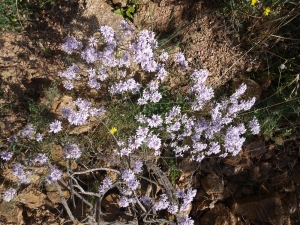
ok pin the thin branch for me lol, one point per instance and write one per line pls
(75, 193)
(96, 169)
(65, 204)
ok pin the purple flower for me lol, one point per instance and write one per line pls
(55, 126)
(146, 200)
(163, 203)
(214, 148)
(142, 101)
(96, 112)
(83, 104)
(164, 56)
(180, 59)
(28, 131)
(124, 202)
(142, 49)
(153, 85)
(66, 112)
(125, 60)
(155, 121)
(13, 139)
(78, 118)
(55, 174)
(128, 175)
(106, 184)
(19, 172)
(187, 199)
(71, 44)
(6, 155)
(161, 74)
(142, 131)
(153, 142)
(202, 94)
(238, 93)
(133, 184)
(137, 166)
(155, 97)
(89, 54)
(41, 158)
(173, 208)
(108, 33)
(91, 72)
(126, 28)
(68, 85)
(71, 151)
(180, 193)
(124, 151)
(122, 87)
(103, 74)
(93, 83)
(70, 73)
(9, 194)
(254, 126)
(38, 137)
(232, 141)
(92, 41)
(185, 220)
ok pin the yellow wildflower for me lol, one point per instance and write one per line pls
(113, 130)
(267, 11)
(253, 2)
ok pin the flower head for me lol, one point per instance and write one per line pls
(71, 44)
(106, 184)
(6, 155)
(41, 158)
(253, 2)
(254, 126)
(55, 127)
(28, 131)
(71, 151)
(38, 137)
(267, 11)
(113, 130)
(55, 174)
(9, 194)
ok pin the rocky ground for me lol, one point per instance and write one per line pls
(261, 185)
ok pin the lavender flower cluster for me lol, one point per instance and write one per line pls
(215, 134)
(9, 194)
(84, 111)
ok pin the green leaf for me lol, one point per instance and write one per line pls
(130, 11)
(119, 11)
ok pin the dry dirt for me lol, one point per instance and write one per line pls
(259, 186)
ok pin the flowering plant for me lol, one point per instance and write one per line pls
(114, 60)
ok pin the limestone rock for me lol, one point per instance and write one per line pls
(119, 3)
(56, 155)
(264, 208)
(232, 160)
(59, 103)
(10, 214)
(52, 192)
(253, 88)
(110, 204)
(32, 199)
(256, 148)
(212, 184)
(219, 215)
